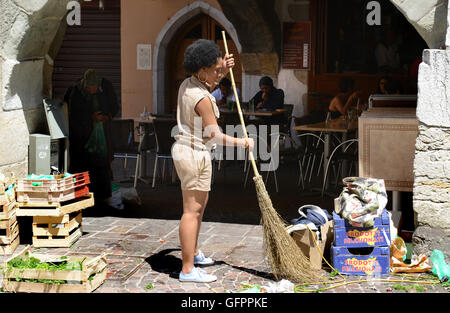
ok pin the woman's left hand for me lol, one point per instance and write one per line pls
(228, 62)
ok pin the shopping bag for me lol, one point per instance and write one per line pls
(96, 143)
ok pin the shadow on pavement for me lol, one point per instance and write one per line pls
(163, 262)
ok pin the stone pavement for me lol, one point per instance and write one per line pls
(145, 252)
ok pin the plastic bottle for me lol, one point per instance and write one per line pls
(252, 106)
(230, 105)
(440, 268)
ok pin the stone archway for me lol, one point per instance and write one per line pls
(167, 34)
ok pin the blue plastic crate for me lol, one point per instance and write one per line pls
(376, 263)
(349, 236)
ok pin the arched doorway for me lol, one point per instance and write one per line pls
(201, 26)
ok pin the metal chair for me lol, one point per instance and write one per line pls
(349, 143)
(164, 141)
(285, 126)
(288, 149)
(147, 143)
(123, 143)
(312, 147)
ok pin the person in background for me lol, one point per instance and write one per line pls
(268, 98)
(90, 101)
(346, 99)
(224, 93)
(388, 86)
(387, 53)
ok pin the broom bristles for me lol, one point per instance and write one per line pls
(284, 256)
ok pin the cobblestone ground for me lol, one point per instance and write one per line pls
(144, 257)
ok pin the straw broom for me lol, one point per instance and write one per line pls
(285, 257)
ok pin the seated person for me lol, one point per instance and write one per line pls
(388, 86)
(268, 98)
(224, 93)
(346, 99)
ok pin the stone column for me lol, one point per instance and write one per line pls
(432, 159)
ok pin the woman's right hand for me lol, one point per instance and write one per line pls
(248, 143)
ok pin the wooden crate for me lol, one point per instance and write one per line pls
(9, 229)
(75, 281)
(55, 184)
(39, 194)
(7, 209)
(7, 249)
(53, 190)
(57, 231)
(55, 208)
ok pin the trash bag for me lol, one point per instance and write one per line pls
(440, 268)
(362, 200)
(130, 195)
(96, 143)
(121, 196)
(115, 200)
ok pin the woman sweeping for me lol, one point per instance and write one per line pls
(197, 115)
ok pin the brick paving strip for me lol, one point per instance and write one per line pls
(144, 253)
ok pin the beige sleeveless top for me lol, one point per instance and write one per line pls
(191, 92)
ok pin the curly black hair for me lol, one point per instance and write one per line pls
(199, 54)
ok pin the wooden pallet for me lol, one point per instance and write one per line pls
(52, 231)
(54, 208)
(74, 281)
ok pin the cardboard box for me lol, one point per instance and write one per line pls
(305, 241)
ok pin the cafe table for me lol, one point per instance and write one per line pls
(338, 125)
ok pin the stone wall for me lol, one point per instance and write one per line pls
(27, 31)
(432, 160)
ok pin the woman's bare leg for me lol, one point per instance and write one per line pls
(194, 202)
(200, 223)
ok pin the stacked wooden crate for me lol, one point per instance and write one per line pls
(55, 205)
(9, 228)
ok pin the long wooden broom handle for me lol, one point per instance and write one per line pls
(241, 118)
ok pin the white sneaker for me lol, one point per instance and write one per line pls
(197, 275)
(200, 259)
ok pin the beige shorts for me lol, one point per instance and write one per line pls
(193, 167)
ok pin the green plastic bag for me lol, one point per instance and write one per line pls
(96, 144)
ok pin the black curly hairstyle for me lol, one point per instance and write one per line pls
(199, 54)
